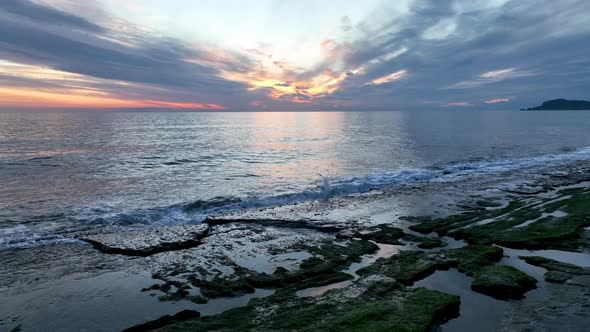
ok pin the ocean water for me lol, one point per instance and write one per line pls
(62, 172)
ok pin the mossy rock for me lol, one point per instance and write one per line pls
(381, 234)
(545, 233)
(502, 282)
(164, 321)
(219, 287)
(443, 226)
(553, 265)
(542, 233)
(430, 243)
(410, 266)
(413, 311)
(343, 253)
(381, 289)
(406, 267)
(470, 259)
(320, 270)
(557, 277)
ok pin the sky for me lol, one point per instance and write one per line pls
(287, 55)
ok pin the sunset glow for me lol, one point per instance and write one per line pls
(282, 55)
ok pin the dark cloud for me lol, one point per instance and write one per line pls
(38, 13)
(445, 47)
(545, 43)
(143, 59)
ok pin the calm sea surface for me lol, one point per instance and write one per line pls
(61, 172)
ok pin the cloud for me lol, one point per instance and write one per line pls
(459, 104)
(454, 50)
(440, 30)
(345, 24)
(390, 77)
(490, 77)
(497, 100)
(25, 9)
(152, 64)
(499, 47)
(498, 74)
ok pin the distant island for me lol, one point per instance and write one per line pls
(561, 105)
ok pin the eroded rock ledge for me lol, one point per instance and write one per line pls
(147, 242)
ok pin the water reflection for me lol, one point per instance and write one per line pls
(105, 164)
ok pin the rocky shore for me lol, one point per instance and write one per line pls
(352, 263)
(378, 295)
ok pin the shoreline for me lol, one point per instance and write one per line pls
(349, 251)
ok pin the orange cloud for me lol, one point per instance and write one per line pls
(73, 91)
(497, 100)
(75, 98)
(391, 77)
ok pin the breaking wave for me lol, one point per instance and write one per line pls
(21, 236)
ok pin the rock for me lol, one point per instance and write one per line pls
(322, 269)
(381, 234)
(471, 259)
(165, 321)
(318, 225)
(557, 277)
(149, 241)
(553, 265)
(429, 243)
(561, 105)
(580, 280)
(407, 267)
(503, 282)
(389, 309)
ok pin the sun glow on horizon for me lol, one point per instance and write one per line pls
(69, 90)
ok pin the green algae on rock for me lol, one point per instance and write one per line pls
(557, 272)
(319, 270)
(557, 277)
(165, 321)
(388, 234)
(395, 310)
(381, 234)
(553, 265)
(502, 282)
(407, 267)
(470, 259)
(411, 266)
(523, 223)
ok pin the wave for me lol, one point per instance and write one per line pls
(196, 211)
(21, 237)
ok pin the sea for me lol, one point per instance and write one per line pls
(63, 172)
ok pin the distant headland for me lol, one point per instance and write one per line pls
(561, 105)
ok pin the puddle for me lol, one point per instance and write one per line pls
(452, 243)
(267, 264)
(476, 309)
(107, 302)
(217, 306)
(385, 250)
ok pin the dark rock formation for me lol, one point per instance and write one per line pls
(165, 321)
(147, 242)
(561, 105)
(503, 282)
